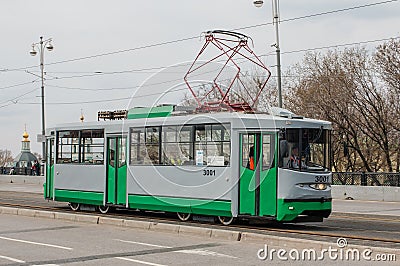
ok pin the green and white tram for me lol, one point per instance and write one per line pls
(228, 165)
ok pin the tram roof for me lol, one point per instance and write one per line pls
(236, 119)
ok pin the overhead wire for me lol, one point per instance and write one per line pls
(13, 100)
(190, 38)
(318, 14)
(340, 45)
(194, 37)
(262, 55)
(169, 81)
(99, 73)
(19, 84)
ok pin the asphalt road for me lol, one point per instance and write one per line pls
(38, 241)
(350, 227)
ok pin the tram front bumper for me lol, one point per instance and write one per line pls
(293, 209)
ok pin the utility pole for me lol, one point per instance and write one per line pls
(278, 51)
(41, 45)
(275, 15)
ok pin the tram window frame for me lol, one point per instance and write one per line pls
(146, 141)
(67, 148)
(122, 152)
(248, 141)
(50, 151)
(176, 144)
(268, 164)
(137, 146)
(169, 146)
(153, 145)
(72, 147)
(207, 140)
(92, 142)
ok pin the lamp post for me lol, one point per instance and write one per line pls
(259, 3)
(41, 45)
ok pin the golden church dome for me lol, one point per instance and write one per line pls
(25, 136)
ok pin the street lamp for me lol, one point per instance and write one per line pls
(40, 46)
(259, 3)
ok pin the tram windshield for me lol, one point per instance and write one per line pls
(305, 149)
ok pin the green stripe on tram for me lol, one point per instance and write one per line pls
(84, 197)
(150, 112)
(186, 205)
(169, 204)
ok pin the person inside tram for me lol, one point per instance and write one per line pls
(295, 160)
(250, 164)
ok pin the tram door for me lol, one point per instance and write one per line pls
(257, 184)
(49, 168)
(116, 170)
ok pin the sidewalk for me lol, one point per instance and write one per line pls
(21, 187)
(22, 179)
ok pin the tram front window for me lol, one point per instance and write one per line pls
(307, 149)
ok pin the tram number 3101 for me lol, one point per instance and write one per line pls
(209, 172)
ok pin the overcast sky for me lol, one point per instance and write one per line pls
(82, 29)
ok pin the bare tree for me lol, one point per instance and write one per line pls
(38, 156)
(340, 86)
(387, 64)
(5, 157)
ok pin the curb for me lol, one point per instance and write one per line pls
(220, 234)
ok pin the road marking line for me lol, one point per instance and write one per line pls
(140, 243)
(140, 261)
(202, 252)
(45, 265)
(34, 243)
(12, 259)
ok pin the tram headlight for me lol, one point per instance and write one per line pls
(319, 186)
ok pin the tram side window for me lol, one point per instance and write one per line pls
(152, 145)
(92, 146)
(138, 148)
(248, 142)
(121, 152)
(170, 148)
(185, 144)
(177, 145)
(212, 145)
(68, 147)
(268, 149)
(181, 145)
(80, 146)
(145, 146)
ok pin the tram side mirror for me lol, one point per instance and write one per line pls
(283, 148)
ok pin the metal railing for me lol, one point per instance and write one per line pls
(19, 171)
(366, 179)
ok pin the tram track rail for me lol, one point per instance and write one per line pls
(298, 231)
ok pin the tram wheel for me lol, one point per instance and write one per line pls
(74, 206)
(184, 216)
(226, 220)
(104, 209)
